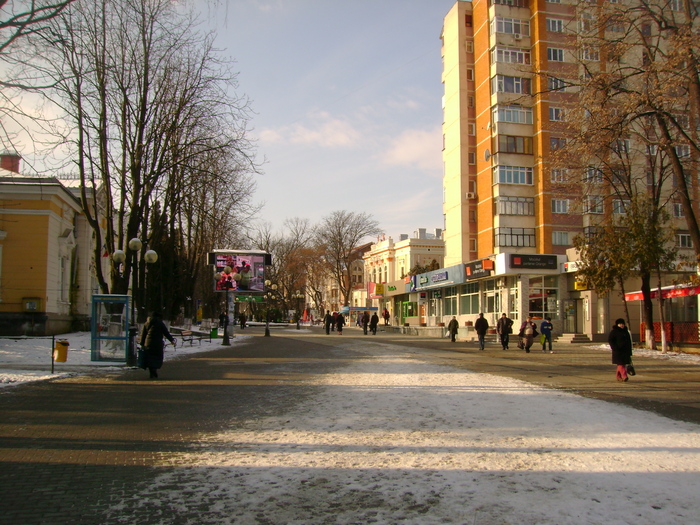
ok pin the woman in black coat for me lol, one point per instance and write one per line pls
(152, 342)
(620, 342)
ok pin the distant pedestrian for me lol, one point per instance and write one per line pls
(152, 342)
(365, 322)
(335, 318)
(452, 329)
(386, 316)
(620, 341)
(504, 327)
(373, 322)
(339, 322)
(546, 334)
(481, 326)
(242, 320)
(528, 331)
(328, 321)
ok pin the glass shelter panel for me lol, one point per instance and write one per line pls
(110, 327)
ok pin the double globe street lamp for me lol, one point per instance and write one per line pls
(268, 296)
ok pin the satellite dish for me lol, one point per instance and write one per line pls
(487, 154)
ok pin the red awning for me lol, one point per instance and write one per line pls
(682, 290)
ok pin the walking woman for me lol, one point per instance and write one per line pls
(620, 342)
(152, 342)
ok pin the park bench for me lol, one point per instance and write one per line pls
(190, 336)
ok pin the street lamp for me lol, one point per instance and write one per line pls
(298, 296)
(226, 341)
(268, 297)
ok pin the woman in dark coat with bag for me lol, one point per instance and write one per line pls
(152, 342)
(620, 342)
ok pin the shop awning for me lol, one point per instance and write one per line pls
(681, 290)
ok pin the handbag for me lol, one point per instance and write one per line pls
(630, 370)
(141, 358)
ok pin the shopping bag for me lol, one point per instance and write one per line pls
(141, 358)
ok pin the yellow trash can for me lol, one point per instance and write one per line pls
(60, 353)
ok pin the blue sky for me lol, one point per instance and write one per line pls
(347, 102)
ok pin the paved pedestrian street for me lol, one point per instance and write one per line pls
(308, 428)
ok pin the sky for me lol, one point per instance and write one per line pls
(347, 105)
(478, 449)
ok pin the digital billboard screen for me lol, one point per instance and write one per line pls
(247, 271)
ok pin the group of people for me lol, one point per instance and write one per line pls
(504, 327)
(620, 340)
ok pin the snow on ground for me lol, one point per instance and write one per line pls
(395, 439)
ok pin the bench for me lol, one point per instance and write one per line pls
(190, 336)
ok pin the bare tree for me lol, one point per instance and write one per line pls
(159, 141)
(338, 236)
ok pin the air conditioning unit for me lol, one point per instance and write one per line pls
(471, 195)
(517, 36)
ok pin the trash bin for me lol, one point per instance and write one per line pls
(131, 351)
(60, 352)
(214, 334)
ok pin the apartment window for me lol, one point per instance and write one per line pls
(676, 5)
(555, 54)
(558, 175)
(646, 29)
(556, 84)
(593, 176)
(511, 144)
(470, 101)
(472, 245)
(510, 55)
(683, 151)
(469, 46)
(520, 237)
(560, 205)
(556, 143)
(471, 158)
(555, 25)
(510, 26)
(652, 149)
(594, 204)
(560, 238)
(515, 206)
(678, 211)
(471, 129)
(683, 240)
(512, 175)
(515, 114)
(553, 1)
(590, 53)
(470, 74)
(556, 114)
(621, 146)
(619, 206)
(587, 22)
(506, 84)
(469, 299)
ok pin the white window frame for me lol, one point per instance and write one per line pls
(619, 206)
(560, 238)
(683, 240)
(513, 114)
(513, 175)
(678, 210)
(555, 25)
(510, 26)
(594, 205)
(558, 175)
(510, 55)
(560, 206)
(503, 84)
(556, 114)
(555, 54)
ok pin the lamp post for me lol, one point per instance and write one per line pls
(298, 296)
(226, 341)
(268, 297)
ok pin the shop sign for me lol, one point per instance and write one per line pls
(477, 269)
(533, 262)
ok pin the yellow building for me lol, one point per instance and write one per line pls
(45, 283)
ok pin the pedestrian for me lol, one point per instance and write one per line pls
(339, 322)
(504, 327)
(546, 334)
(386, 316)
(242, 320)
(620, 341)
(373, 322)
(152, 342)
(222, 320)
(328, 321)
(452, 329)
(365, 322)
(335, 318)
(528, 331)
(481, 326)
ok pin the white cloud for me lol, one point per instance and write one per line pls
(417, 148)
(323, 131)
